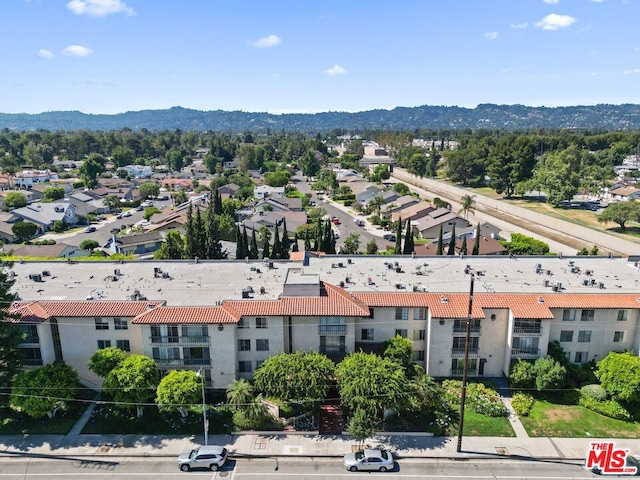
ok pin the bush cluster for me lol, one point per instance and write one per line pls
(594, 391)
(480, 398)
(608, 408)
(522, 403)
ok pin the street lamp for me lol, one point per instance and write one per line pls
(205, 423)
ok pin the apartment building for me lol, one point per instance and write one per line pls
(227, 317)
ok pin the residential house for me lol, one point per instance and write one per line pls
(623, 193)
(86, 204)
(135, 244)
(429, 225)
(263, 191)
(398, 204)
(26, 179)
(177, 183)
(413, 212)
(45, 214)
(365, 192)
(230, 190)
(27, 194)
(58, 250)
(138, 171)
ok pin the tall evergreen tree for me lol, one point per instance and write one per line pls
(276, 251)
(245, 242)
(266, 249)
(212, 246)
(239, 248)
(200, 234)
(332, 243)
(398, 248)
(452, 241)
(463, 247)
(217, 203)
(307, 241)
(286, 243)
(408, 240)
(439, 247)
(295, 247)
(10, 335)
(253, 251)
(476, 242)
(190, 237)
(327, 237)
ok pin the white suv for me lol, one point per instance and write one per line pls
(211, 457)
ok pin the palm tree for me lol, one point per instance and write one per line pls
(239, 393)
(466, 205)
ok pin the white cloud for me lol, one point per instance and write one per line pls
(77, 51)
(99, 8)
(553, 21)
(491, 35)
(43, 53)
(519, 26)
(267, 42)
(551, 2)
(598, 1)
(631, 72)
(335, 70)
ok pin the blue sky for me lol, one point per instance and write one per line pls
(281, 56)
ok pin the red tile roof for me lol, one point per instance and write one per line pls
(183, 315)
(41, 311)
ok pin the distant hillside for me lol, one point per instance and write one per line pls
(605, 117)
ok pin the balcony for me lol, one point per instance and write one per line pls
(458, 329)
(183, 341)
(527, 330)
(458, 372)
(458, 352)
(182, 362)
(525, 352)
(332, 329)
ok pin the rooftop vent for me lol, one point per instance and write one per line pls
(444, 299)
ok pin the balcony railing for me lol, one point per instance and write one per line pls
(475, 329)
(459, 352)
(525, 352)
(181, 340)
(534, 330)
(182, 362)
(458, 372)
(332, 329)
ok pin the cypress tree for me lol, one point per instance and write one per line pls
(439, 247)
(452, 241)
(265, 249)
(398, 248)
(307, 241)
(200, 235)
(239, 249)
(408, 240)
(286, 243)
(217, 203)
(245, 242)
(190, 250)
(295, 247)
(463, 248)
(253, 251)
(276, 251)
(476, 243)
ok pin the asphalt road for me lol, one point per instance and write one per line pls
(114, 468)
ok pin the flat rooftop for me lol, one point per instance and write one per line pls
(211, 282)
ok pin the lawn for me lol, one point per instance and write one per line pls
(478, 425)
(553, 420)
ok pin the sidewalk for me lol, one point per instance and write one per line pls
(277, 444)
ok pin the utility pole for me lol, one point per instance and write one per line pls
(465, 369)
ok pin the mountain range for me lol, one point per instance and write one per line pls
(487, 116)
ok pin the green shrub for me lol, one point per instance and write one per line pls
(480, 398)
(595, 391)
(522, 403)
(608, 408)
(265, 422)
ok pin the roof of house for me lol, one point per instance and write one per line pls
(413, 212)
(182, 315)
(53, 251)
(139, 238)
(624, 191)
(39, 311)
(44, 213)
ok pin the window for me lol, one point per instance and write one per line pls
(244, 345)
(165, 353)
(566, 336)
(123, 345)
(261, 322)
(333, 325)
(581, 357)
(401, 332)
(418, 356)
(258, 363)
(418, 334)
(164, 334)
(402, 313)
(419, 313)
(242, 323)
(367, 334)
(104, 344)
(457, 365)
(618, 336)
(196, 356)
(332, 344)
(568, 315)
(120, 324)
(195, 333)
(262, 344)
(102, 324)
(587, 316)
(584, 336)
(29, 332)
(623, 315)
(244, 366)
